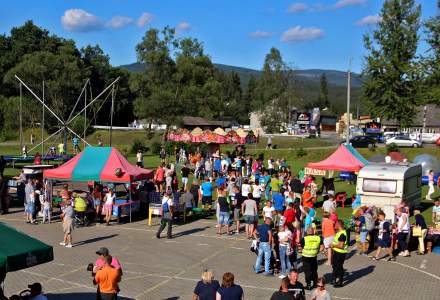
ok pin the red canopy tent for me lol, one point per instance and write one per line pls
(345, 158)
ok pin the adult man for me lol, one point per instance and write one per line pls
(263, 234)
(208, 168)
(185, 173)
(436, 211)
(311, 245)
(236, 200)
(187, 200)
(139, 159)
(107, 279)
(340, 248)
(102, 253)
(68, 215)
(329, 204)
(36, 292)
(296, 288)
(167, 215)
(269, 143)
(206, 189)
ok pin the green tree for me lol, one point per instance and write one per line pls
(431, 63)
(391, 70)
(323, 101)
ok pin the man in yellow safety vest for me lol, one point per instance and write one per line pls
(340, 248)
(311, 245)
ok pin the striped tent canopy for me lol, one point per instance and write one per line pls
(101, 164)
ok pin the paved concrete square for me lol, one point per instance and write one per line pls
(169, 269)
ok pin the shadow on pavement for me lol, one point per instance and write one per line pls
(352, 276)
(94, 240)
(78, 296)
(190, 231)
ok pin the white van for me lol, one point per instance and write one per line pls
(386, 185)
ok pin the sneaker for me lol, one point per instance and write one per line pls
(282, 276)
(69, 246)
(391, 259)
(62, 244)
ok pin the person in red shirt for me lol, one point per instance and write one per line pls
(159, 178)
(307, 198)
(289, 215)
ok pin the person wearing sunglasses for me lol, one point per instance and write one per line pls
(320, 293)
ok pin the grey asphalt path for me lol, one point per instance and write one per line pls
(169, 269)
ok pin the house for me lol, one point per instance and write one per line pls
(427, 116)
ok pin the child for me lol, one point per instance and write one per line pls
(384, 238)
(328, 234)
(46, 209)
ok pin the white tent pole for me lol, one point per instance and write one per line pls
(46, 139)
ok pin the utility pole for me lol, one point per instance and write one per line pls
(347, 140)
(21, 118)
(42, 126)
(85, 114)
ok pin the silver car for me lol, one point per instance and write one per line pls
(404, 141)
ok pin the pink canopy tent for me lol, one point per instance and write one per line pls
(345, 158)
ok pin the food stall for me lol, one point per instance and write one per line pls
(104, 165)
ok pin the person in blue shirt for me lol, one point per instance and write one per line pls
(220, 181)
(217, 166)
(75, 142)
(206, 189)
(263, 234)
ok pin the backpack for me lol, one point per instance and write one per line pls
(165, 207)
(369, 223)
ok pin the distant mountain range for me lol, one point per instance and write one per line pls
(334, 77)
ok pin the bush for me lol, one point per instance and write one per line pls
(392, 148)
(155, 148)
(301, 153)
(138, 145)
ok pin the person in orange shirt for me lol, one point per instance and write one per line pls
(107, 279)
(328, 234)
(307, 198)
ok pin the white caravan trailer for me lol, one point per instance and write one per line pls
(386, 185)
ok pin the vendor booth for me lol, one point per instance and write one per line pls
(104, 165)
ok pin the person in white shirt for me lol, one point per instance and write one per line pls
(109, 200)
(257, 189)
(167, 214)
(246, 188)
(268, 210)
(329, 205)
(403, 227)
(139, 159)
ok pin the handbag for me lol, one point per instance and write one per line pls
(417, 231)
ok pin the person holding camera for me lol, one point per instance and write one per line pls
(107, 279)
(100, 262)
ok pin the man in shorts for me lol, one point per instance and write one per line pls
(68, 215)
(206, 189)
(236, 199)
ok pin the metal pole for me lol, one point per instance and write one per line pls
(129, 199)
(111, 114)
(85, 114)
(42, 127)
(347, 140)
(20, 117)
(56, 132)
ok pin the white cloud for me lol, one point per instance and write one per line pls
(259, 34)
(369, 20)
(80, 20)
(345, 3)
(144, 19)
(119, 22)
(183, 26)
(297, 7)
(298, 34)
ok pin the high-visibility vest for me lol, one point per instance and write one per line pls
(311, 245)
(336, 241)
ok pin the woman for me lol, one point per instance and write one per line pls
(97, 201)
(402, 231)
(223, 211)
(420, 222)
(245, 188)
(250, 213)
(206, 288)
(228, 290)
(109, 200)
(283, 293)
(285, 237)
(320, 293)
(430, 184)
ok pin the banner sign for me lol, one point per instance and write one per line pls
(303, 119)
(315, 172)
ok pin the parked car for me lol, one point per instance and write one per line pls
(438, 142)
(363, 142)
(404, 141)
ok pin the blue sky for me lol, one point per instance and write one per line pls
(310, 34)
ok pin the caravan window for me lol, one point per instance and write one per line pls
(379, 186)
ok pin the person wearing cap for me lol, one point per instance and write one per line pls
(167, 214)
(36, 292)
(100, 262)
(107, 279)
